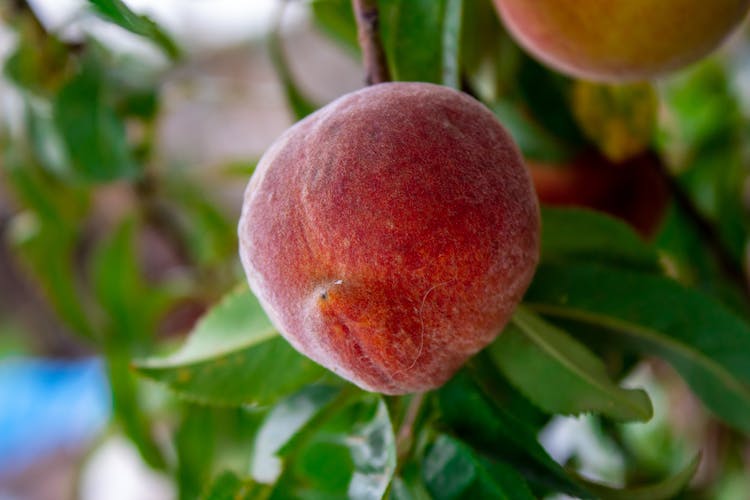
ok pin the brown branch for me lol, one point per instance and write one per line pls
(373, 54)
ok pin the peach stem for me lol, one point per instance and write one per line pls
(373, 54)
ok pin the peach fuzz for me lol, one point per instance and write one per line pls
(620, 40)
(390, 235)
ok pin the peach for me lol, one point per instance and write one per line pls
(390, 235)
(618, 40)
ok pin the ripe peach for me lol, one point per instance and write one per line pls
(390, 235)
(617, 40)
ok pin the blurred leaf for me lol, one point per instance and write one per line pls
(496, 433)
(281, 424)
(704, 342)
(40, 61)
(619, 119)
(336, 18)
(586, 235)
(413, 37)
(668, 488)
(211, 236)
(230, 487)
(52, 223)
(117, 12)
(531, 352)
(490, 59)
(55, 275)
(93, 134)
(451, 47)
(545, 95)
(452, 470)
(133, 305)
(686, 126)
(715, 180)
(140, 102)
(195, 443)
(300, 105)
(45, 139)
(234, 357)
(349, 452)
(693, 263)
(126, 403)
(533, 141)
(408, 484)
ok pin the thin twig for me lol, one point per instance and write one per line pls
(373, 54)
(405, 436)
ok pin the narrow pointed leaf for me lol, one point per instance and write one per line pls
(579, 234)
(531, 353)
(707, 344)
(495, 432)
(117, 12)
(347, 451)
(299, 104)
(664, 490)
(281, 424)
(412, 35)
(451, 470)
(452, 23)
(93, 134)
(233, 357)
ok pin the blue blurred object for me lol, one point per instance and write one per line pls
(49, 405)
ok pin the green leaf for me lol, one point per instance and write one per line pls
(704, 342)
(451, 469)
(413, 38)
(230, 487)
(533, 140)
(210, 236)
(586, 235)
(117, 12)
(490, 59)
(300, 105)
(133, 306)
(452, 24)
(664, 490)
(40, 60)
(93, 134)
(336, 19)
(409, 485)
(234, 357)
(281, 425)
(127, 408)
(498, 389)
(45, 139)
(195, 447)
(348, 451)
(52, 222)
(531, 353)
(493, 431)
(546, 95)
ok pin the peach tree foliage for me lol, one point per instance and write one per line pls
(247, 416)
